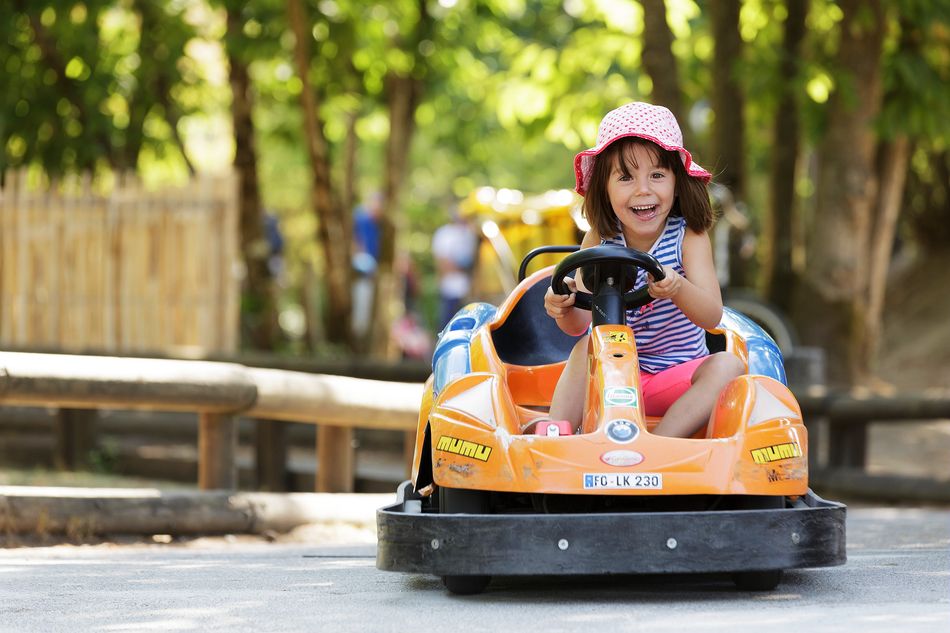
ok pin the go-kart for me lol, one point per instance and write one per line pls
(498, 489)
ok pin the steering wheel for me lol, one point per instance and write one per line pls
(608, 255)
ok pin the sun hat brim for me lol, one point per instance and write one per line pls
(584, 161)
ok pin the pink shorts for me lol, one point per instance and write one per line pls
(662, 389)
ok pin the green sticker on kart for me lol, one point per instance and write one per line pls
(620, 397)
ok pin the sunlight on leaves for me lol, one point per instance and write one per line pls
(819, 87)
(374, 127)
(626, 17)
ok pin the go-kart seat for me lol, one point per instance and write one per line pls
(529, 336)
(715, 342)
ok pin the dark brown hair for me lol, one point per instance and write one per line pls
(692, 195)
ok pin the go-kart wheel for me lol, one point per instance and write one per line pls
(458, 501)
(462, 501)
(759, 580)
(466, 585)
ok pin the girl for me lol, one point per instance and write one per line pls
(642, 190)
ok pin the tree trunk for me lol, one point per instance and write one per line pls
(659, 61)
(333, 221)
(348, 193)
(893, 161)
(403, 93)
(728, 131)
(833, 300)
(894, 157)
(401, 98)
(926, 198)
(260, 311)
(780, 236)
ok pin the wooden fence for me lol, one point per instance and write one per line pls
(220, 391)
(127, 270)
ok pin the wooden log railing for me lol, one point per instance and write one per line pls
(847, 415)
(219, 391)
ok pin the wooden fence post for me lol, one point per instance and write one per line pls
(270, 455)
(217, 448)
(335, 462)
(847, 443)
(75, 438)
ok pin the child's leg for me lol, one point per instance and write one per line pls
(567, 403)
(692, 410)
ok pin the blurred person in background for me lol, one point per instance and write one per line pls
(454, 247)
(366, 235)
(412, 339)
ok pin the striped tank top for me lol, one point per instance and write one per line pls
(665, 336)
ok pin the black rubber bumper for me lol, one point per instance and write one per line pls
(812, 534)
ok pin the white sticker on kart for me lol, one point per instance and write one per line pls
(623, 481)
(620, 397)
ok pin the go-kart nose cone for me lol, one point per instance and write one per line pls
(622, 431)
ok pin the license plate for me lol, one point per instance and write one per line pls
(623, 481)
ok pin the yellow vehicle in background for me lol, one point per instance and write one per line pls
(509, 224)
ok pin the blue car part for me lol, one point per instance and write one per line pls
(765, 358)
(451, 356)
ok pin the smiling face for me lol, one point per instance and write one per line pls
(641, 191)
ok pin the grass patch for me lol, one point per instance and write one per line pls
(83, 479)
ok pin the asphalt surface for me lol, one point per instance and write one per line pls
(897, 579)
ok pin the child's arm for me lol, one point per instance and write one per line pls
(571, 320)
(699, 296)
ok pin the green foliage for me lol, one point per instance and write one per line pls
(510, 89)
(917, 76)
(510, 92)
(90, 84)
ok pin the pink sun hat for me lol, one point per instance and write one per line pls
(643, 120)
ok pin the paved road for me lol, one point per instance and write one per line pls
(897, 580)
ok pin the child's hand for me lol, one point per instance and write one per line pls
(667, 287)
(558, 306)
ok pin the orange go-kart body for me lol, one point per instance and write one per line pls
(475, 432)
(612, 498)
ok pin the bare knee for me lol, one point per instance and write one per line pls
(721, 366)
(580, 347)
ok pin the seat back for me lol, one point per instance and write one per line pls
(529, 336)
